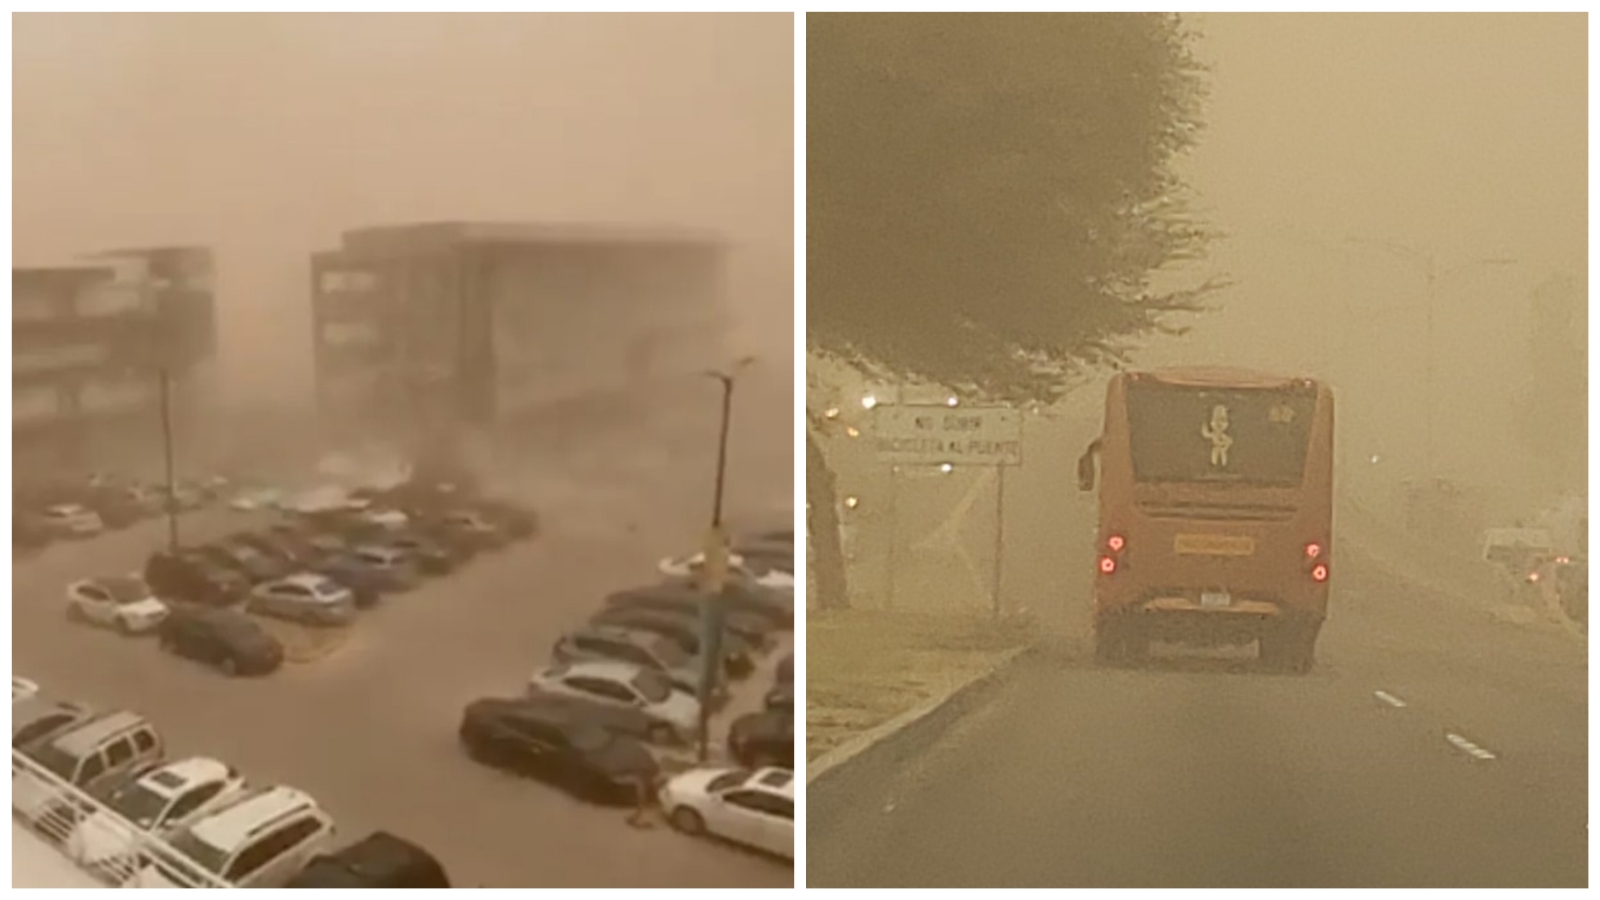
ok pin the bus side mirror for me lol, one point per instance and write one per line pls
(1086, 471)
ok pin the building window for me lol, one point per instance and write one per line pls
(63, 356)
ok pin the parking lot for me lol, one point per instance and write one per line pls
(368, 727)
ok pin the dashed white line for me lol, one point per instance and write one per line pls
(1390, 699)
(1467, 746)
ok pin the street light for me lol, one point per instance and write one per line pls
(1424, 262)
(715, 567)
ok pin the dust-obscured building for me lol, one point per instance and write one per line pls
(501, 334)
(89, 343)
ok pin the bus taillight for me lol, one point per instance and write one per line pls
(1107, 565)
(1319, 573)
(1116, 543)
(1313, 550)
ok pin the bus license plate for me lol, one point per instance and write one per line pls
(1215, 600)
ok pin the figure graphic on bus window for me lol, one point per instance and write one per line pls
(1217, 433)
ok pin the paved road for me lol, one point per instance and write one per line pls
(1197, 772)
(371, 730)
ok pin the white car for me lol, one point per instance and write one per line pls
(751, 808)
(124, 603)
(160, 801)
(22, 689)
(623, 684)
(73, 520)
(260, 840)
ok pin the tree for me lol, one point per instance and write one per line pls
(987, 197)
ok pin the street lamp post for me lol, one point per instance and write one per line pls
(715, 568)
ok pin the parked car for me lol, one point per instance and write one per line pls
(515, 521)
(377, 567)
(161, 800)
(247, 560)
(763, 739)
(305, 597)
(379, 860)
(37, 718)
(751, 808)
(780, 698)
(621, 720)
(190, 577)
(742, 550)
(120, 507)
(88, 754)
(559, 748)
(761, 571)
(746, 597)
(261, 840)
(224, 638)
(754, 629)
(22, 689)
(681, 628)
(431, 556)
(124, 603)
(473, 528)
(625, 686)
(642, 649)
(285, 547)
(70, 520)
(365, 589)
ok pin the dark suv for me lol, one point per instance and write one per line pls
(190, 577)
(229, 640)
(763, 739)
(379, 860)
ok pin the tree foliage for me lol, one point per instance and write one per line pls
(988, 195)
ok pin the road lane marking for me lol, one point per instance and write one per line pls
(1467, 746)
(1390, 699)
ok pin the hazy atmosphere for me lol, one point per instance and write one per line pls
(265, 136)
(362, 502)
(1305, 606)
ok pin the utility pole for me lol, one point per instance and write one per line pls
(715, 568)
(166, 447)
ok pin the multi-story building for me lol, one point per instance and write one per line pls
(495, 331)
(89, 345)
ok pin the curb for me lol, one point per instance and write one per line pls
(878, 734)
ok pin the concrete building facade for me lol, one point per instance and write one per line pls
(89, 344)
(495, 334)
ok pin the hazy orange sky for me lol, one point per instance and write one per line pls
(1460, 135)
(266, 135)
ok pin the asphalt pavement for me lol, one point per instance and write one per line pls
(370, 730)
(1433, 746)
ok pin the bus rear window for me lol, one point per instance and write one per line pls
(1248, 436)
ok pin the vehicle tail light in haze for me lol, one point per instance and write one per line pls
(1116, 543)
(1319, 573)
(1313, 550)
(1533, 577)
(1107, 565)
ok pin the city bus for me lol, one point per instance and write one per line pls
(1215, 513)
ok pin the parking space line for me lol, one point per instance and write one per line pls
(1468, 747)
(1390, 699)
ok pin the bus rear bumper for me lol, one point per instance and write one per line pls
(1185, 621)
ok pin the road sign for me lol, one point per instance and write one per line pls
(933, 435)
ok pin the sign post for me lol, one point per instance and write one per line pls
(949, 436)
